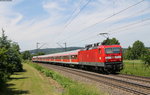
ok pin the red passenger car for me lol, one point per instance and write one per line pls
(103, 57)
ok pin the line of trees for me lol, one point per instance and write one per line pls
(138, 51)
(26, 55)
(10, 59)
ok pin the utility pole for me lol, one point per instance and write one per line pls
(65, 46)
(37, 47)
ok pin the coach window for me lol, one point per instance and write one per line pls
(67, 57)
(73, 56)
(58, 57)
(64, 57)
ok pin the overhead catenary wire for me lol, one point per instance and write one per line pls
(121, 30)
(78, 13)
(131, 28)
(72, 18)
(129, 25)
(126, 26)
(137, 14)
(107, 18)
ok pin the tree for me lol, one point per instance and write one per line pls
(40, 53)
(112, 41)
(10, 60)
(16, 47)
(15, 59)
(146, 58)
(138, 49)
(3, 72)
(128, 53)
(4, 43)
(26, 55)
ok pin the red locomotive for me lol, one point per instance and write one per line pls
(102, 57)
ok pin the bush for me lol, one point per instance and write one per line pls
(146, 58)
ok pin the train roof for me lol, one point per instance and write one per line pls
(99, 46)
(74, 52)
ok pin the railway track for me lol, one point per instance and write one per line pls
(132, 84)
(133, 77)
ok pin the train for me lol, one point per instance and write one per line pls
(105, 58)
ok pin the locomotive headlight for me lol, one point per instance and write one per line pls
(100, 58)
(108, 57)
(117, 56)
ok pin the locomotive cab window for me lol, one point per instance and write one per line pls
(112, 50)
(116, 50)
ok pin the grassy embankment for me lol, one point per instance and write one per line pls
(136, 67)
(30, 82)
(71, 87)
(44, 82)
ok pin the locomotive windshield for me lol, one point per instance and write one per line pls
(112, 50)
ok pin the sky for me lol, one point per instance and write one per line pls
(51, 23)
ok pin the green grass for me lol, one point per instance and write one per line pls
(82, 89)
(29, 82)
(136, 67)
(71, 87)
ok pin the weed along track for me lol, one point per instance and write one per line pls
(139, 86)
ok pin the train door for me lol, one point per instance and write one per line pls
(100, 54)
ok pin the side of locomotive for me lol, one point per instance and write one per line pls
(104, 57)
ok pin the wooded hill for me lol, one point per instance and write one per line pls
(54, 50)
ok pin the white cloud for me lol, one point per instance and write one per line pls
(52, 6)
